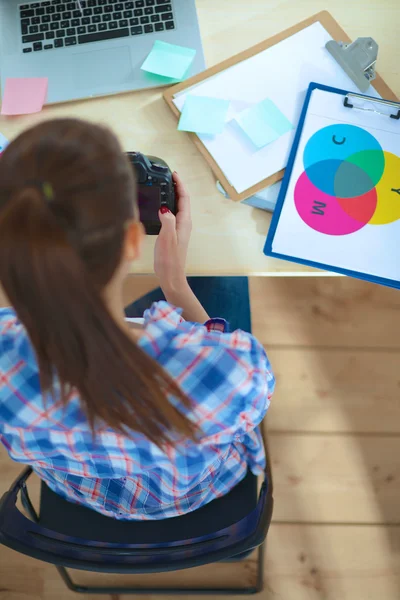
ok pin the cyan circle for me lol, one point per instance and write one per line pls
(337, 142)
(322, 174)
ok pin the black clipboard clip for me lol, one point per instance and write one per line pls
(394, 107)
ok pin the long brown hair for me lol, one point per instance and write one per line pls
(66, 192)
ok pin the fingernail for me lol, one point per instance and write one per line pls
(164, 209)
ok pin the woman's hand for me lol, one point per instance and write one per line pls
(173, 241)
(170, 256)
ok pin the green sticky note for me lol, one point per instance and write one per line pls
(169, 60)
(201, 114)
(263, 123)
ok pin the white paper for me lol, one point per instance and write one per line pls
(281, 73)
(373, 249)
(266, 199)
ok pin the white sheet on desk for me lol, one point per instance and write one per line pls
(266, 198)
(282, 73)
(271, 193)
(372, 250)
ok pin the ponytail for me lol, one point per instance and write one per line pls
(73, 334)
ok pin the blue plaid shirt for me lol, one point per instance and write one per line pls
(227, 376)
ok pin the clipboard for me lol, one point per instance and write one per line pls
(352, 101)
(333, 29)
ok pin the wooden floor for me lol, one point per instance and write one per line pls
(334, 431)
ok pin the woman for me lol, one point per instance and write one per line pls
(136, 423)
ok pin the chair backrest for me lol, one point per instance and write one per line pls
(25, 536)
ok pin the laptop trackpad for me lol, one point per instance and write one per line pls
(102, 68)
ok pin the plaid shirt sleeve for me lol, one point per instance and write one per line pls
(227, 375)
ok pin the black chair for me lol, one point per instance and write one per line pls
(69, 535)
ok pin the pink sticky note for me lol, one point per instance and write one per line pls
(23, 96)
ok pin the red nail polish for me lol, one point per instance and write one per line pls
(164, 209)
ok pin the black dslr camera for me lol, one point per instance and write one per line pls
(155, 189)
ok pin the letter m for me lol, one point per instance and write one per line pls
(318, 208)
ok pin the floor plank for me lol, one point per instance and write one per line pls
(24, 578)
(337, 390)
(332, 563)
(324, 312)
(303, 563)
(333, 478)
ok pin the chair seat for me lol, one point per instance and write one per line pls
(62, 516)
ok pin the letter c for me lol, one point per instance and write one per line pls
(336, 142)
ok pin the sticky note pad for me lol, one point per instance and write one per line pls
(3, 143)
(201, 114)
(23, 96)
(263, 123)
(169, 60)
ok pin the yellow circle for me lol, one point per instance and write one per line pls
(388, 192)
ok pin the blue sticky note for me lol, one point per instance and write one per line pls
(3, 143)
(169, 60)
(202, 114)
(263, 123)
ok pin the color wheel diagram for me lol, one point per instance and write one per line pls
(349, 181)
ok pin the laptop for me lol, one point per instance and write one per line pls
(91, 48)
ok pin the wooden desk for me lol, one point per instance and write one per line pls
(228, 238)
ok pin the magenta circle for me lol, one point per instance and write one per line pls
(322, 212)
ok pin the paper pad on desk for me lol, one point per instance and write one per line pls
(201, 114)
(263, 123)
(24, 96)
(169, 60)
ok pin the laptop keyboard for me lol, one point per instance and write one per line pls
(58, 23)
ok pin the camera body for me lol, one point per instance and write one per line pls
(155, 188)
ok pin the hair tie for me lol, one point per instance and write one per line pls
(44, 187)
(47, 190)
